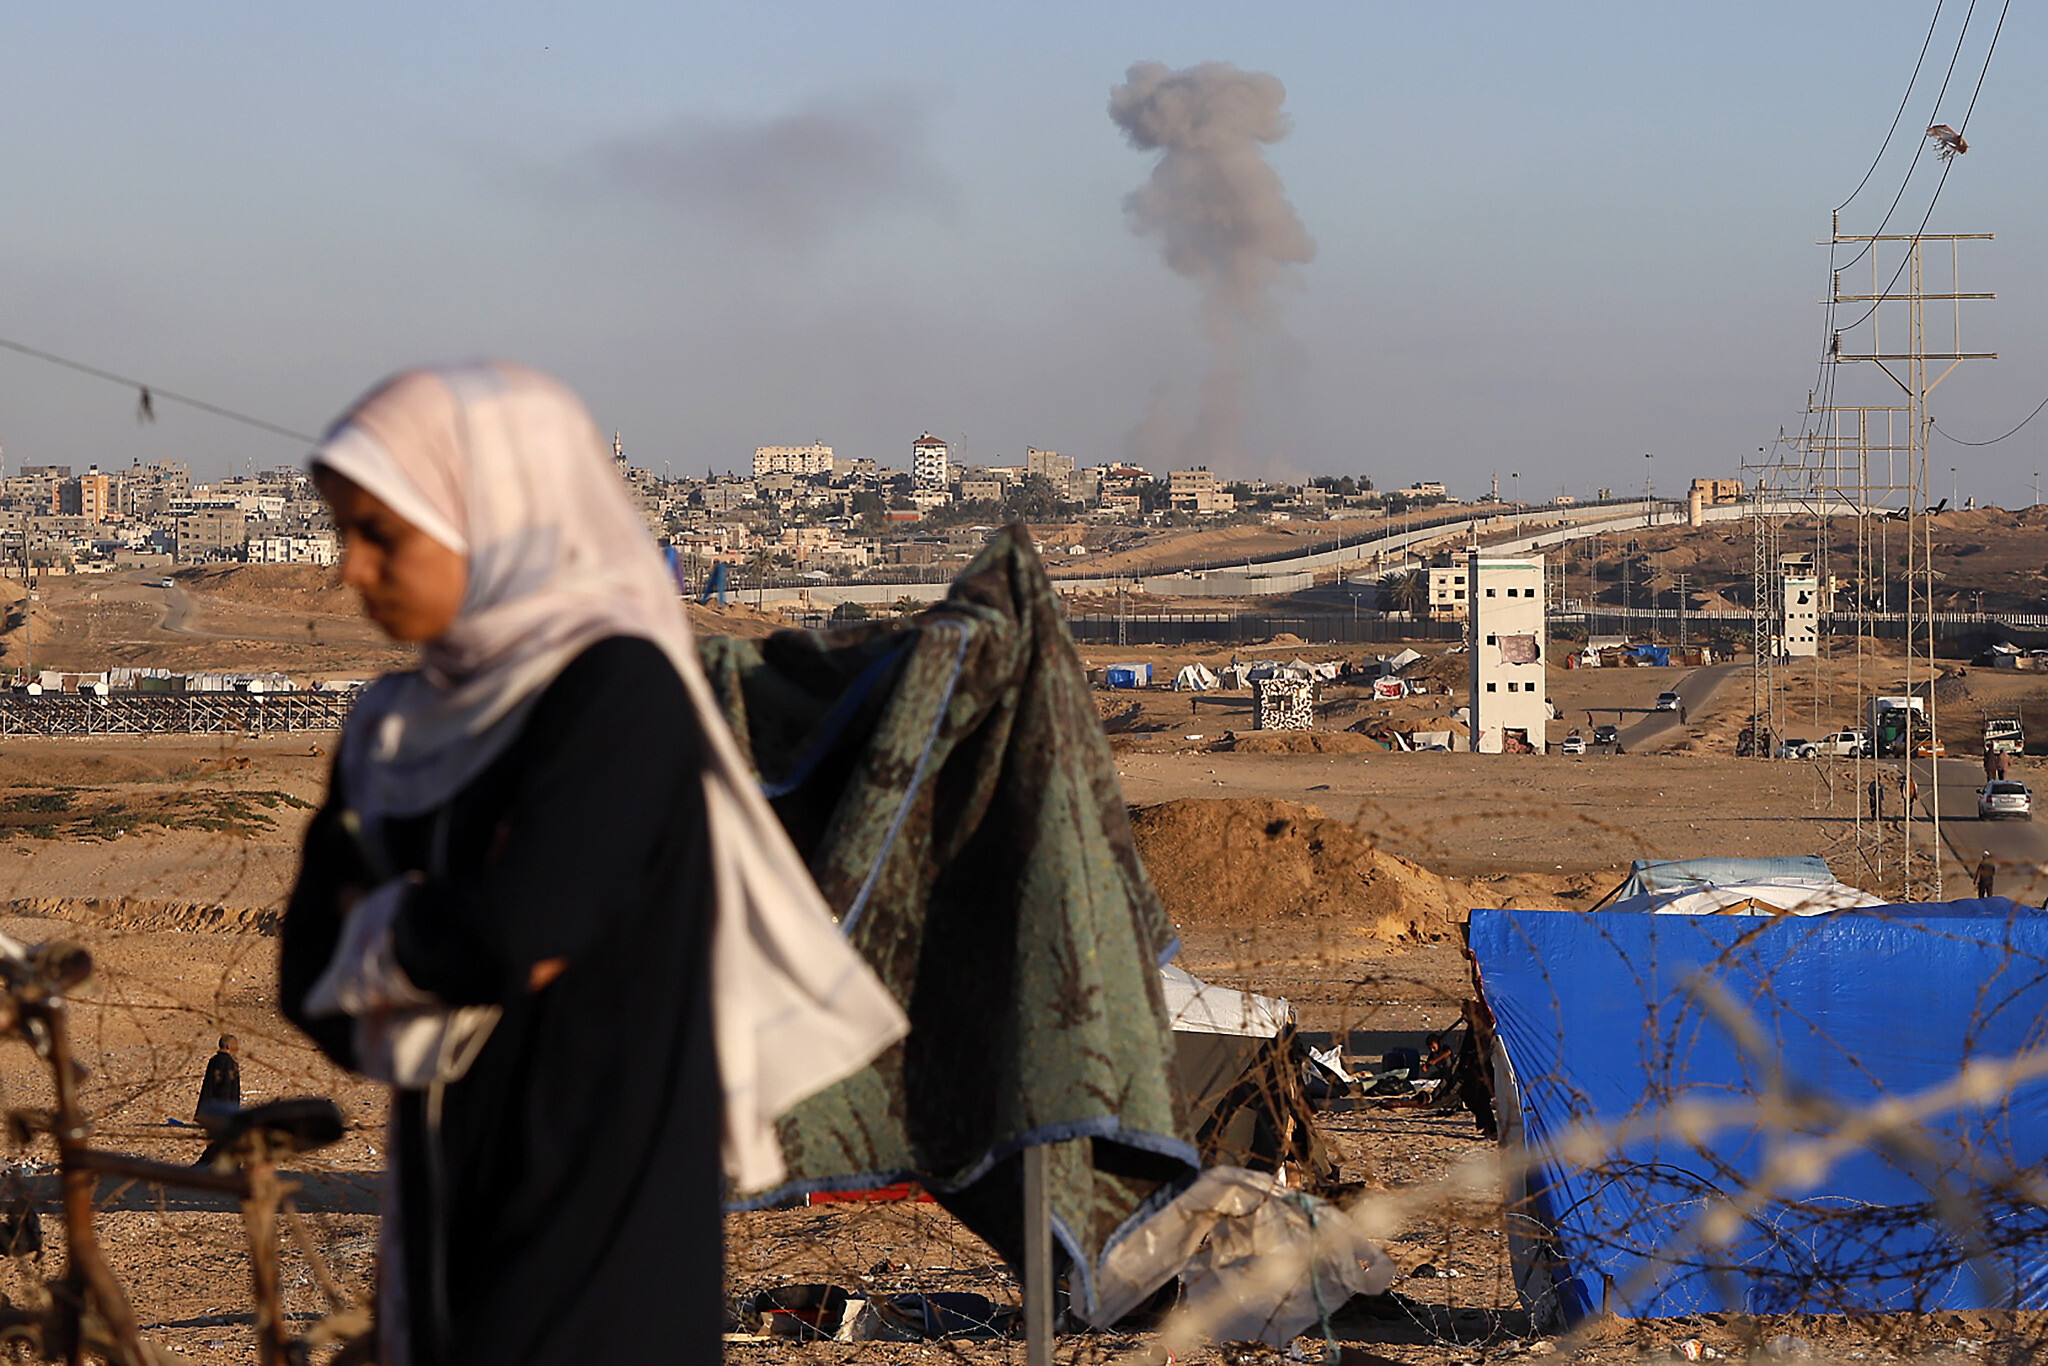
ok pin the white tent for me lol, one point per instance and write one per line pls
(1393, 664)
(1766, 896)
(1196, 1007)
(1194, 678)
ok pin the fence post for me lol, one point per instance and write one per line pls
(1037, 1260)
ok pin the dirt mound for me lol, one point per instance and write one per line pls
(1299, 742)
(135, 913)
(733, 619)
(288, 587)
(1240, 862)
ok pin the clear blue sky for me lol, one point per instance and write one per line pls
(1550, 238)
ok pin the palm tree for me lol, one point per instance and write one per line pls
(1405, 590)
(763, 560)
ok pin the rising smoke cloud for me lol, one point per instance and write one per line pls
(785, 181)
(1222, 220)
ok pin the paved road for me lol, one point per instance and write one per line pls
(1695, 687)
(2019, 847)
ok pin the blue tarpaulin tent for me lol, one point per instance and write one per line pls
(1603, 1018)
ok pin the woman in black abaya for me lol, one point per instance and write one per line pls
(544, 899)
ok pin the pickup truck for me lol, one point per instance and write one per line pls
(2003, 735)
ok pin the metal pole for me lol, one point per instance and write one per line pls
(1037, 1260)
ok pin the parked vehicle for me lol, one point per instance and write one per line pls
(1667, 701)
(1845, 744)
(1574, 743)
(1791, 748)
(2003, 800)
(1606, 735)
(1930, 749)
(2004, 735)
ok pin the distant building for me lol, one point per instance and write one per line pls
(801, 460)
(210, 533)
(929, 462)
(1049, 465)
(1197, 491)
(1449, 590)
(1506, 641)
(301, 547)
(91, 495)
(1426, 488)
(1801, 606)
(1712, 491)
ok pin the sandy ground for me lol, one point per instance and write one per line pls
(1322, 867)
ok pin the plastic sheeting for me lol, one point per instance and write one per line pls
(1764, 896)
(1194, 678)
(1603, 1017)
(1197, 1007)
(1685, 875)
(1261, 1263)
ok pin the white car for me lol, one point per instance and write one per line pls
(1844, 744)
(1572, 744)
(1998, 800)
(1667, 701)
(1797, 749)
(168, 583)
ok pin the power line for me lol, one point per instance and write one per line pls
(1996, 439)
(149, 393)
(1900, 112)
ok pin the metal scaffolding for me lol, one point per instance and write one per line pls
(209, 713)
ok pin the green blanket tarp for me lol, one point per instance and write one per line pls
(947, 779)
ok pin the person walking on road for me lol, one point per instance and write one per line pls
(1877, 799)
(1987, 873)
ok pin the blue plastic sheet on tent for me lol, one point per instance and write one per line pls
(1601, 1020)
(1658, 655)
(1683, 875)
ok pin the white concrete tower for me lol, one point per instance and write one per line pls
(1506, 640)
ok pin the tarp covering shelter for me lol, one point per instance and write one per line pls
(1194, 678)
(1763, 897)
(1127, 676)
(1234, 1054)
(1197, 1007)
(1609, 1019)
(1690, 874)
(1393, 664)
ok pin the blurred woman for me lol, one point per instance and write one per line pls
(545, 900)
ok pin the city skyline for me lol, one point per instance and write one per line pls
(1544, 244)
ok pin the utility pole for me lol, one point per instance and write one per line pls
(1683, 578)
(1908, 369)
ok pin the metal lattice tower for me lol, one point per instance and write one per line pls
(1871, 462)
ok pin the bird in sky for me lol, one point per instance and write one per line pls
(1951, 141)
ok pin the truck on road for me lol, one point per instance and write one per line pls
(2003, 733)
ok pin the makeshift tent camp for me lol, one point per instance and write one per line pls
(1194, 678)
(1127, 676)
(1234, 1054)
(1790, 1030)
(1799, 884)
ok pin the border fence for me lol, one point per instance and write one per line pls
(213, 713)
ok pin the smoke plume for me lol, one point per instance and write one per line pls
(1220, 214)
(785, 181)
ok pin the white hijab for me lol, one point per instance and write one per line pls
(503, 466)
